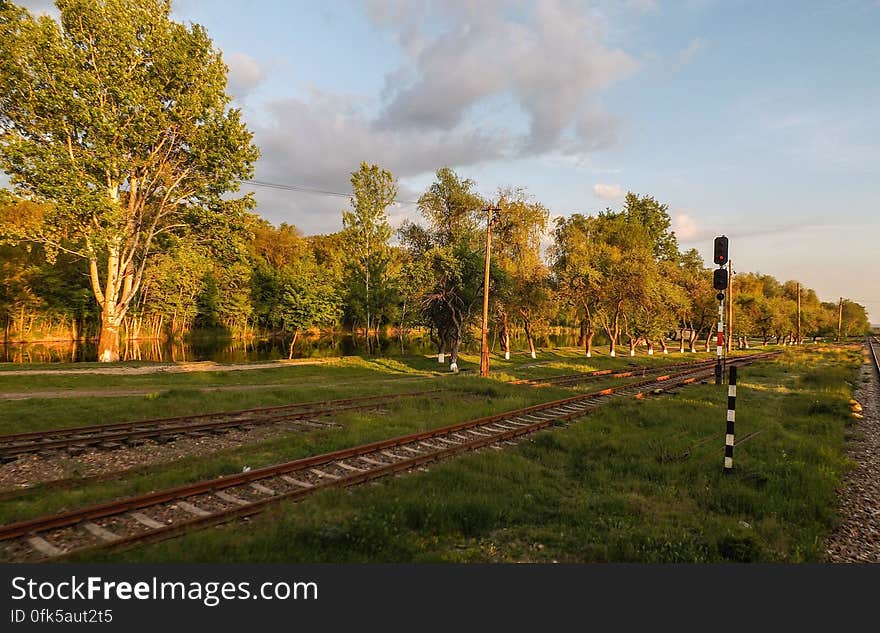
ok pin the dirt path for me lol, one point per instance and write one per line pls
(167, 369)
(857, 538)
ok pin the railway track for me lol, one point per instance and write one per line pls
(111, 436)
(76, 440)
(604, 374)
(874, 348)
(167, 513)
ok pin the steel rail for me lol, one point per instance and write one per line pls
(344, 467)
(13, 445)
(606, 373)
(873, 344)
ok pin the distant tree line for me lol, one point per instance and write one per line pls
(617, 276)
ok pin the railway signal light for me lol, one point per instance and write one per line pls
(721, 251)
(719, 279)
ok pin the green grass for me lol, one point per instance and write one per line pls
(179, 394)
(465, 397)
(636, 481)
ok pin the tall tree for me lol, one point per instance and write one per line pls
(307, 299)
(653, 216)
(450, 247)
(367, 232)
(119, 118)
(519, 225)
(575, 255)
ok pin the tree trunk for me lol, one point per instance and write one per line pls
(589, 342)
(108, 343)
(441, 356)
(455, 343)
(650, 346)
(633, 341)
(528, 328)
(505, 335)
(709, 336)
(292, 343)
(400, 330)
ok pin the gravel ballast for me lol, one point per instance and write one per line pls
(857, 538)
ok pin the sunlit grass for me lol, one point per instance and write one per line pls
(635, 481)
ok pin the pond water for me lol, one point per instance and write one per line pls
(225, 350)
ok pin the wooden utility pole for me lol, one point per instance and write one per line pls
(484, 350)
(839, 317)
(798, 314)
(729, 305)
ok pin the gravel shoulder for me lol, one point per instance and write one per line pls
(857, 538)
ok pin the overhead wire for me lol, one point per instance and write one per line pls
(306, 189)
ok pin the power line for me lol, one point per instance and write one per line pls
(305, 189)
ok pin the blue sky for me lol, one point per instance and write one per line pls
(753, 119)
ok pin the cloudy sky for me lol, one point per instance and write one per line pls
(753, 119)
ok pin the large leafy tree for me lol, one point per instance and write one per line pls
(450, 247)
(118, 117)
(366, 233)
(307, 299)
(575, 257)
(653, 217)
(521, 280)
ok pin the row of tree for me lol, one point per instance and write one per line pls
(618, 275)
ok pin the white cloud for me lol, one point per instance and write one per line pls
(244, 75)
(608, 192)
(697, 45)
(547, 57)
(40, 7)
(685, 226)
(319, 142)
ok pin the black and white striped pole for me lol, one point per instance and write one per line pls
(731, 420)
(719, 348)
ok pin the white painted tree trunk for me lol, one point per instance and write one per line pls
(441, 357)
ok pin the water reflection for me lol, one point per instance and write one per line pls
(225, 350)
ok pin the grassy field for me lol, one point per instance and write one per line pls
(637, 481)
(180, 394)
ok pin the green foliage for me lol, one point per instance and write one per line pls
(366, 232)
(307, 299)
(639, 482)
(451, 260)
(118, 117)
(452, 209)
